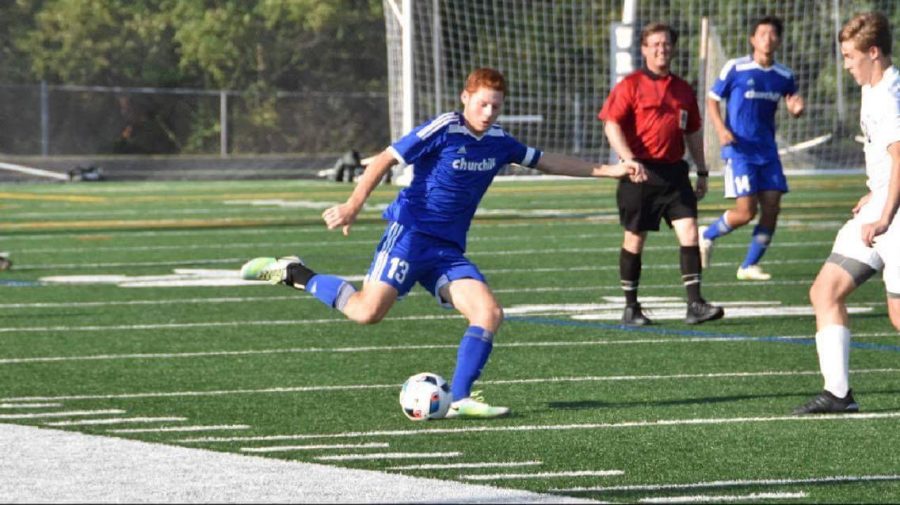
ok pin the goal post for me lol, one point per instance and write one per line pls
(557, 57)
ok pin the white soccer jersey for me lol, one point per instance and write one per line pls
(879, 118)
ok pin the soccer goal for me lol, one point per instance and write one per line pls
(560, 58)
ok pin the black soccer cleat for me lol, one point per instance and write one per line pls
(827, 403)
(634, 317)
(700, 312)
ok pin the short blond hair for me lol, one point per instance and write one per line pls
(866, 30)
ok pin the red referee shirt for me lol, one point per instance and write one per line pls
(654, 113)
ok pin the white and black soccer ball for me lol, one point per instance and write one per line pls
(425, 396)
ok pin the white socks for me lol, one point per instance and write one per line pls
(833, 346)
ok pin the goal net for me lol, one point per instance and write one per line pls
(558, 57)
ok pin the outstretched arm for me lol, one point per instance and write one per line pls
(561, 164)
(343, 215)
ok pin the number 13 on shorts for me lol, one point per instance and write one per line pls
(398, 269)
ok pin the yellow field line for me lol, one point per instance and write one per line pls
(53, 198)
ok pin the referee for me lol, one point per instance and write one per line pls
(647, 118)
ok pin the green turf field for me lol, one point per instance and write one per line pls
(118, 318)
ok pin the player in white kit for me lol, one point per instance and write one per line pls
(870, 241)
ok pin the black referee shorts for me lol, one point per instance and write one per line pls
(667, 193)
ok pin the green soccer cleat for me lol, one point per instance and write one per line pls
(272, 270)
(474, 407)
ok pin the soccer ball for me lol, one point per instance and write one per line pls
(425, 396)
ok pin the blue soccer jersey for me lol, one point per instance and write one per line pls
(453, 168)
(752, 93)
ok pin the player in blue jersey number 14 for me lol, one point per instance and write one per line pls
(753, 86)
(455, 156)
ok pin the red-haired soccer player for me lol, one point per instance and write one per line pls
(455, 158)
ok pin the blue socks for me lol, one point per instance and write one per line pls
(760, 241)
(758, 245)
(474, 350)
(330, 290)
(718, 228)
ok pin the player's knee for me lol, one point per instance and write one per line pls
(814, 293)
(494, 316)
(489, 318)
(367, 315)
(498, 316)
(821, 296)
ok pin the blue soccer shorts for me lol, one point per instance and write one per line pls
(404, 257)
(743, 178)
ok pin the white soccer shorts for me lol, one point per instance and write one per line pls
(884, 256)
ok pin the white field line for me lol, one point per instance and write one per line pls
(264, 246)
(240, 261)
(615, 249)
(213, 324)
(157, 214)
(68, 413)
(789, 220)
(734, 483)
(117, 420)
(29, 405)
(172, 301)
(166, 429)
(326, 243)
(665, 266)
(286, 322)
(457, 466)
(752, 497)
(315, 447)
(280, 206)
(350, 387)
(274, 206)
(542, 475)
(404, 348)
(417, 293)
(204, 233)
(554, 427)
(60, 266)
(388, 455)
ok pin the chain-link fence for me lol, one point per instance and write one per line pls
(557, 56)
(92, 120)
